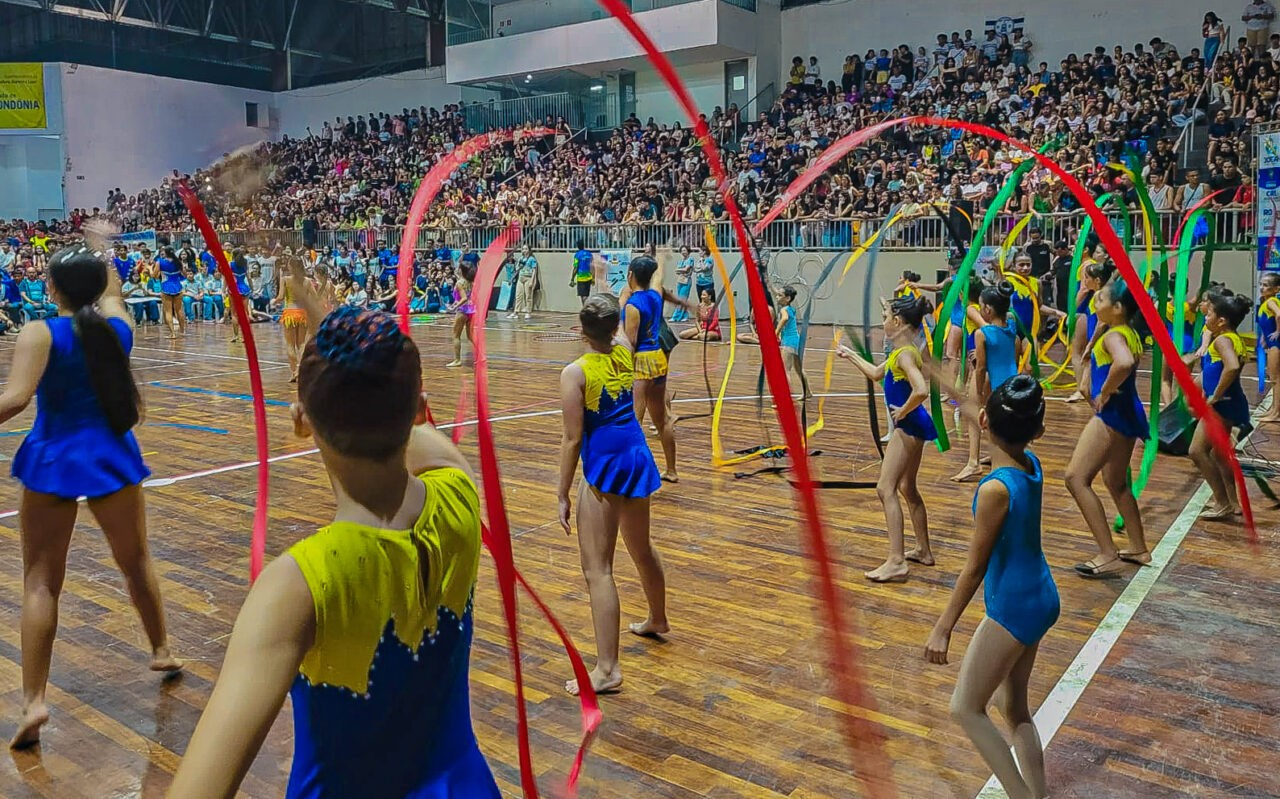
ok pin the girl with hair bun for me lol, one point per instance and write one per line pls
(994, 359)
(1022, 605)
(788, 333)
(1220, 372)
(641, 315)
(905, 391)
(619, 476)
(76, 365)
(1106, 444)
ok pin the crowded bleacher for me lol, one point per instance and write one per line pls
(360, 172)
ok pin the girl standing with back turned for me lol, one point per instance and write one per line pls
(76, 364)
(1019, 594)
(367, 624)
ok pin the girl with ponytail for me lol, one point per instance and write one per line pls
(905, 391)
(76, 365)
(1106, 444)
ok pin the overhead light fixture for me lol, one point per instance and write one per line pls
(597, 87)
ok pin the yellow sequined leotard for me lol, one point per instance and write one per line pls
(381, 703)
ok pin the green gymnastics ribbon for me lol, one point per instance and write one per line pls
(1151, 446)
(961, 283)
(1206, 273)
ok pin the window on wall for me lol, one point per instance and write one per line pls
(251, 115)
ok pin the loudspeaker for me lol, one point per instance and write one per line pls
(1177, 426)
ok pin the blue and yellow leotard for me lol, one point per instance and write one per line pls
(1024, 301)
(1232, 406)
(1123, 412)
(650, 360)
(381, 704)
(1268, 330)
(1018, 588)
(1188, 325)
(897, 390)
(615, 456)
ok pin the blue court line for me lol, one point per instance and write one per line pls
(212, 393)
(215, 430)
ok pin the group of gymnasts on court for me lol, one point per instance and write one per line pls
(367, 624)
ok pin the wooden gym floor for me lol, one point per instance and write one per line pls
(737, 702)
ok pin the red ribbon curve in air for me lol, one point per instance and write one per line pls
(258, 546)
(498, 538)
(865, 738)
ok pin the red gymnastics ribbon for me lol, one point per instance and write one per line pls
(498, 538)
(1216, 431)
(865, 738)
(427, 191)
(258, 545)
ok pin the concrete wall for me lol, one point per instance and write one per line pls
(128, 130)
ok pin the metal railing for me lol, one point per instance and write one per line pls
(1186, 141)
(1235, 230)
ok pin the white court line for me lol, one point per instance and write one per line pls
(1064, 696)
(185, 354)
(162, 482)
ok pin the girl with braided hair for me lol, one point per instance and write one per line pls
(367, 624)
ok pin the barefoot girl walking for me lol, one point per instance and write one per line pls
(1220, 372)
(618, 477)
(76, 364)
(905, 390)
(1106, 444)
(1021, 599)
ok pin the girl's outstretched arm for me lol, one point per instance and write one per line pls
(273, 632)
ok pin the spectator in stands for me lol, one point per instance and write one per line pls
(34, 291)
(1214, 33)
(1257, 22)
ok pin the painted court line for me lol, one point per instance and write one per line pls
(1064, 696)
(161, 482)
(210, 392)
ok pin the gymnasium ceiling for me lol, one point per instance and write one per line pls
(262, 44)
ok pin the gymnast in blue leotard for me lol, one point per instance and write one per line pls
(905, 391)
(1220, 372)
(993, 360)
(1092, 277)
(76, 365)
(171, 293)
(788, 333)
(619, 477)
(1269, 337)
(1005, 556)
(1106, 443)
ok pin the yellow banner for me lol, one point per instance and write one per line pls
(22, 96)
